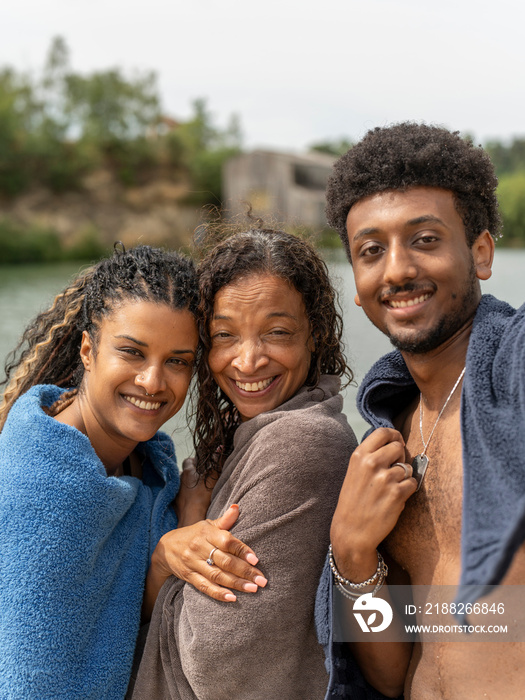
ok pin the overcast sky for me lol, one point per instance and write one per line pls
(298, 72)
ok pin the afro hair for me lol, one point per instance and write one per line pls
(416, 155)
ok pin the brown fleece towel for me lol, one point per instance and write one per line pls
(285, 473)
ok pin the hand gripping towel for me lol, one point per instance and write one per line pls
(492, 420)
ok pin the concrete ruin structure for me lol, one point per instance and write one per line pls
(282, 188)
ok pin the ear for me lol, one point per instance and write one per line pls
(357, 300)
(86, 351)
(483, 255)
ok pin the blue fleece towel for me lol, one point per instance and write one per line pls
(493, 432)
(74, 551)
(493, 436)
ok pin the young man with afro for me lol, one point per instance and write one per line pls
(416, 209)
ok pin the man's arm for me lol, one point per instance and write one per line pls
(371, 501)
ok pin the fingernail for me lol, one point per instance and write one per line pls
(251, 559)
(250, 587)
(260, 580)
(230, 597)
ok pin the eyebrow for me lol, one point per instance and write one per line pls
(145, 345)
(424, 219)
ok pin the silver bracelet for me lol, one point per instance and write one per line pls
(378, 576)
(352, 595)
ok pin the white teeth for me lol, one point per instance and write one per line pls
(146, 405)
(255, 386)
(409, 302)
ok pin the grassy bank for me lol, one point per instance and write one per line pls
(19, 244)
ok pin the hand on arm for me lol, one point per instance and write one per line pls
(183, 553)
(372, 498)
(286, 497)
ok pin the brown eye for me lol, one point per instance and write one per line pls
(177, 361)
(371, 250)
(131, 351)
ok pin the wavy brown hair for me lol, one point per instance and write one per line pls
(49, 351)
(294, 260)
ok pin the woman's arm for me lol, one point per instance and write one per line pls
(183, 552)
(194, 496)
(262, 645)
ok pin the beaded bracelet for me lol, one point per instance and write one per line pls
(378, 576)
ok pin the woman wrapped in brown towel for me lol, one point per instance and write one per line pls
(270, 423)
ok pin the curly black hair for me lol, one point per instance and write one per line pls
(282, 255)
(49, 351)
(408, 155)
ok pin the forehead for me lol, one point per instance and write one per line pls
(146, 316)
(261, 291)
(396, 209)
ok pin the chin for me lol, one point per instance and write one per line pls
(142, 435)
(421, 342)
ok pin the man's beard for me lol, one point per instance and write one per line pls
(428, 340)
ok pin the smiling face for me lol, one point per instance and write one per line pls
(416, 277)
(261, 343)
(142, 348)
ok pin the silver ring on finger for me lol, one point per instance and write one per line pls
(407, 473)
(209, 560)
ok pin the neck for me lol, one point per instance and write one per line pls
(111, 452)
(436, 372)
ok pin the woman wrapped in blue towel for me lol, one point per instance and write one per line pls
(87, 481)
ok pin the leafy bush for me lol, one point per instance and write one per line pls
(132, 160)
(19, 244)
(511, 195)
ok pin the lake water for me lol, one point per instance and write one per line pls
(25, 290)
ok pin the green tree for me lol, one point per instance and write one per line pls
(105, 106)
(34, 128)
(51, 89)
(201, 148)
(336, 148)
(507, 158)
(18, 115)
(60, 159)
(58, 126)
(511, 195)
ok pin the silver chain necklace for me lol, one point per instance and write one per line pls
(420, 461)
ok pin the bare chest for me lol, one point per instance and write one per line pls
(426, 539)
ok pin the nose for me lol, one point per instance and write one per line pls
(400, 267)
(151, 379)
(250, 357)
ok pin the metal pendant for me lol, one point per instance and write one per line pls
(419, 468)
